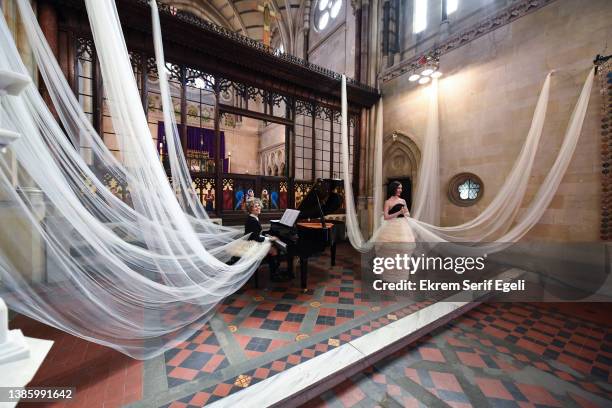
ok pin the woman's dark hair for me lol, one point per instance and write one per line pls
(392, 188)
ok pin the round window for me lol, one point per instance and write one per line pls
(465, 189)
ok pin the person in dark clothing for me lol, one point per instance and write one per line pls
(253, 226)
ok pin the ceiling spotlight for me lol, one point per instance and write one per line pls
(424, 80)
(413, 77)
(427, 71)
(436, 74)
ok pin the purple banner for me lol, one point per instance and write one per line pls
(199, 139)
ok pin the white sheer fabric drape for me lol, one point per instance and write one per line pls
(136, 276)
(503, 221)
(427, 195)
(378, 157)
(143, 275)
(181, 178)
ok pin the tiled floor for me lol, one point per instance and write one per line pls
(498, 355)
(253, 335)
(256, 334)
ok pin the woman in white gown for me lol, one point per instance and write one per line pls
(395, 235)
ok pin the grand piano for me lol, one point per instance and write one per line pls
(311, 233)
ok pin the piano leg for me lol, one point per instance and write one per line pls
(290, 264)
(304, 272)
(333, 254)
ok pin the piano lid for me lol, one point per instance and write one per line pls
(325, 191)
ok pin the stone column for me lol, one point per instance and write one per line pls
(370, 73)
(23, 242)
(15, 25)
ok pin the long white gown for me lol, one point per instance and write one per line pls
(395, 237)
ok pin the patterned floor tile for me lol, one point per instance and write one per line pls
(511, 365)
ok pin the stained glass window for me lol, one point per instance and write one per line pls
(469, 190)
(465, 189)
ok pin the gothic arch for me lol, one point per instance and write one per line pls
(273, 161)
(402, 157)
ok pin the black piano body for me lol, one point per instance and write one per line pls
(311, 233)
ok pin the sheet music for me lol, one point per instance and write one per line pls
(289, 217)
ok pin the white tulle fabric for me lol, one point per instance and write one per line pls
(137, 277)
(144, 275)
(503, 221)
(426, 206)
(181, 178)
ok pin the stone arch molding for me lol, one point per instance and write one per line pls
(273, 161)
(401, 156)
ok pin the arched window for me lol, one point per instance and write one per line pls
(391, 15)
(419, 22)
(325, 12)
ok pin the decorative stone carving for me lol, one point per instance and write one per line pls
(402, 157)
(604, 72)
(273, 161)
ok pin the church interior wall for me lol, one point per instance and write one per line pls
(467, 14)
(243, 142)
(272, 144)
(272, 149)
(272, 135)
(334, 47)
(487, 96)
(299, 44)
(331, 53)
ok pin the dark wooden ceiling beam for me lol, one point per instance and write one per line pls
(223, 108)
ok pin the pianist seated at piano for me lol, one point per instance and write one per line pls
(252, 226)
